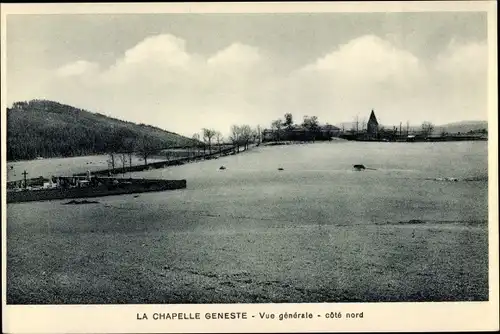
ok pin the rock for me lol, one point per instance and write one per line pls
(280, 168)
(222, 167)
(359, 167)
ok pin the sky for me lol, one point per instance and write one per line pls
(184, 72)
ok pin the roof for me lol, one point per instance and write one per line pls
(329, 127)
(300, 128)
(373, 119)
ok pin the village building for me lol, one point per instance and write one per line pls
(329, 130)
(267, 135)
(299, 132)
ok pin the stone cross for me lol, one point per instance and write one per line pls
(25, 181)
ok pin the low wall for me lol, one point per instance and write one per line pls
(125, 186)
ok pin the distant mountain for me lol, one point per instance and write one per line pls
(41, 128)
(463, 127)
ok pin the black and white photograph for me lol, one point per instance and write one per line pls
(247, 158)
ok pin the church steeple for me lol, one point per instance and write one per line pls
(373, 119)
(372, 126)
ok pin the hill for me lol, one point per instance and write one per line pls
(463, 127)
(41, 128)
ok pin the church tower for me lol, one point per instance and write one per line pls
(372, 126)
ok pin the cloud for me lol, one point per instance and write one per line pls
(469, 59)
(367, 72)
(236, 54)
(162, 49)
(369, 59)
(77, 68)
(155, 58)
(370, 72)
(460, 80)
(159, 81)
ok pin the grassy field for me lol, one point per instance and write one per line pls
(65, 166)
(315, 232)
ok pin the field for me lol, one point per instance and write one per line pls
(64, 166)
(316, 231)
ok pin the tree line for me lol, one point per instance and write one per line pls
(207, 142)
(309, 129)
(240, 136)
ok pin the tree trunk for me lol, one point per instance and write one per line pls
(124, 160)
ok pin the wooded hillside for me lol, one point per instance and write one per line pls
(41, 128)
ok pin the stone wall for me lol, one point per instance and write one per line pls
(123, 186)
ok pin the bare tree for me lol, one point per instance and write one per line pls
(353, 128)
(124, 158)
(129, 144)
(258, 131)
(196, 142)
(218, 138)
(277, 126)
(255, 136)
(146, 146)
(208, 134)
(111, 161)
(234, 137)
(112, 147)
(427, 128)
(245, 135)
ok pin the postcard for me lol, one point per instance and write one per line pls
(249, 167)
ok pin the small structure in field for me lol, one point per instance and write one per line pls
(359, 167)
